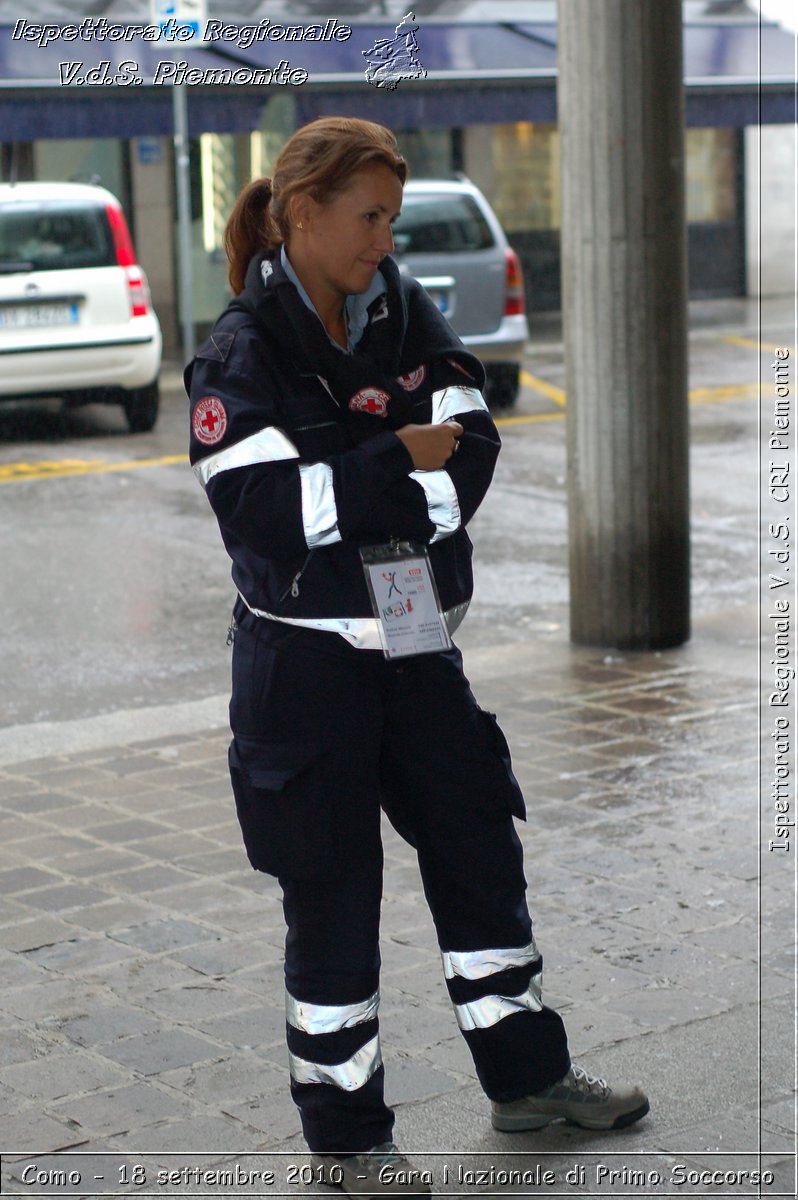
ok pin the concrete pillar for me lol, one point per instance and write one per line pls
(620, 104)
(770, 233)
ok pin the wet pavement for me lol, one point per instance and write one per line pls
(140, 959)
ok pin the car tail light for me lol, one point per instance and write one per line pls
(138, 291)
(514, 286)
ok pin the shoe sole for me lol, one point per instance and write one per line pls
(507, 1124)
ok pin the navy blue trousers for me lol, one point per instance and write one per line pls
(324, 737)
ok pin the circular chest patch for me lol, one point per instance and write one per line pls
(371, 400)
(209, 421)
(413, 379)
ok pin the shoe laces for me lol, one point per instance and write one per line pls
(584, 1082)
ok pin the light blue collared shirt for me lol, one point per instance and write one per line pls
(356, 305)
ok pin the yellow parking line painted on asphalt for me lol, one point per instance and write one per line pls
(546, 389)
(705, 395)
(551, 416)
(732, 391)
(752, 343)
(57, 468)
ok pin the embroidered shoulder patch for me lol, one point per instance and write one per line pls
(371, 400)
(209, 421)
(413, 379)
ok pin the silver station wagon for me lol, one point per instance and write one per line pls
(450, 239)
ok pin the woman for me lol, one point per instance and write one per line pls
(339, 431)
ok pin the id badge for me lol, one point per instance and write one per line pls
(405, 599)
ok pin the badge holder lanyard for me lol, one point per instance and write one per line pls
(405, 599)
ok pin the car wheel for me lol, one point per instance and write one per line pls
(502, 383)
(141, 408)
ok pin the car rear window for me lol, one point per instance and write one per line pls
(54, 237)
(441, 224)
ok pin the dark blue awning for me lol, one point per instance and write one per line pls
(736, 74)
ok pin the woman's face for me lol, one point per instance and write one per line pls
(341, 242)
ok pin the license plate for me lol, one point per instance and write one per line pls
(31, 316)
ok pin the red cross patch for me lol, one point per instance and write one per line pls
(413, 379)
(209, 421)
(371, 400)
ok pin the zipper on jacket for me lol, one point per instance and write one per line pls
(293, 586)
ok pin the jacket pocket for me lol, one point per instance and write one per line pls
(286, 808)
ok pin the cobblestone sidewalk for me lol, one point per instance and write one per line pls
(141, 958)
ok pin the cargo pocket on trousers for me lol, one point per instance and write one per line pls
(286, 808)
(509, 787)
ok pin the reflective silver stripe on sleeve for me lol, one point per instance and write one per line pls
(450, 401)
(329, 1018)
(482, 1014)
(319, 512)
(267, 445)
(477, 964)
(349, 1075)
(442, 502)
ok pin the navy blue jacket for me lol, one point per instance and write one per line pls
(300, 473)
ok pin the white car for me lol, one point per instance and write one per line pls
(450, 239)
(76, 321)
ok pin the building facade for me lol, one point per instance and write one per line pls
(486, 105)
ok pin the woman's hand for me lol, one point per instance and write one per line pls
(430, 446)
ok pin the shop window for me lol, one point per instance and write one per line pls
(84, 160)
(430, 153)
(221, 165)
(526, 189)
(711, 175)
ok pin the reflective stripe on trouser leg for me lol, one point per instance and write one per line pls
(497, 998)
(337, 1074)
(349, 1075)
(476, 890)
(489, 969)
(332, 1001)
(324, 1021)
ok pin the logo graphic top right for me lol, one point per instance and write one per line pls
(393, 59)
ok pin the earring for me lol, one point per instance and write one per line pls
(300, 225)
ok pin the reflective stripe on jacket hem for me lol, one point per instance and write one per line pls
(361, 632)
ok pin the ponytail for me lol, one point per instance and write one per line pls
(249, 230)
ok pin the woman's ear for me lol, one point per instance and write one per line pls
(300, 208)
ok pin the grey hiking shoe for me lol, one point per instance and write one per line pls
(580, 1099)
(382, 1171)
